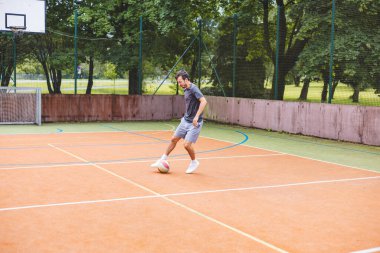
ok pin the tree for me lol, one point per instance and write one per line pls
(250, 69)
(6, 60)
(110, 72)
(51, 49)
(300, 18)
(23, 50)
(356, 51)
(357, 47)
(54, 57)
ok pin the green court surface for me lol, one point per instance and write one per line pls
(344, 153)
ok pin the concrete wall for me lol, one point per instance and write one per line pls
(359, 124)
(352, 123)
(84, 108)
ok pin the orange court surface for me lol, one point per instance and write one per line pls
(95, 192)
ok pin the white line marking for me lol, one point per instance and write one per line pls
(90, 132)
(78, 203)
(135, 161)
(368, 250)
(178, 204)
(305, 157)
(275, 186)
(264, 187)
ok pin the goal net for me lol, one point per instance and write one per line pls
(20, 105)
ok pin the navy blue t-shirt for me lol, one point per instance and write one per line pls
(192, 96)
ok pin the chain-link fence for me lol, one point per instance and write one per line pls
(318, 51)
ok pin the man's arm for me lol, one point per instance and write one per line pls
(202, 106)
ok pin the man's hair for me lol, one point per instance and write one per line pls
(183, 74)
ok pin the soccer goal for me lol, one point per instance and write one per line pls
(20, 105)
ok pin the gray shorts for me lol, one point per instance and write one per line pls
(187, 131)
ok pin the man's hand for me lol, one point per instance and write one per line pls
(195, 121)
(202, 106)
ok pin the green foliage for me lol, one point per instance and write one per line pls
(30, 66)
(110, 71)
(108, 40)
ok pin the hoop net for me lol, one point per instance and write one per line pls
(17, 30)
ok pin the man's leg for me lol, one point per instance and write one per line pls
(169, 149)
(173, 143)
(189, 148)
(194, 164)
(191, 138)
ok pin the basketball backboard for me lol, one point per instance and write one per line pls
(28, 15)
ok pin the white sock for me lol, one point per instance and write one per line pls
(164, 157)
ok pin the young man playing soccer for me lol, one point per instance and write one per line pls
(191, 123)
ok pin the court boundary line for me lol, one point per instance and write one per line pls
(265, 149)
(263, 187)
(132, 161)
(80, 145)
(256, 239)
(176, 155)
(164, 196)
(304, 157)
(371, 250)
(89, 132)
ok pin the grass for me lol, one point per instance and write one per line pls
(341, 96)
(120, 86)
(100, 86)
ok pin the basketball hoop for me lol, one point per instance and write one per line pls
(17, 30)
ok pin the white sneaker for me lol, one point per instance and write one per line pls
(156, 164)
(192, 167)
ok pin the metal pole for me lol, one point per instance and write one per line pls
(234, 58)
(140, 60)
(200, 52)
(277, 49)
(14, 59)
(166, 77)
(75, 46)
(331, 50)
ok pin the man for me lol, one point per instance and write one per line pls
(191, 123)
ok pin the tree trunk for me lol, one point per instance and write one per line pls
(90, 76)
(47, 76)
(335, 84)
(133, 81)
(297, 80)
(280, 85)
(355, 96)
(56, 77)
(377, 84)
(6, 74)
(286, 60)
(325, 75)
(59, 81)
(305, 89)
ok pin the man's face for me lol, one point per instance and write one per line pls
(182, 83)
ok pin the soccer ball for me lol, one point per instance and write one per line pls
(163, 166)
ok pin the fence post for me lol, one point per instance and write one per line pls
(140, 60)
(277, 49)
(234, 58)
(14, 59)
(331, 50)
(199, 51)
(75, 46)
